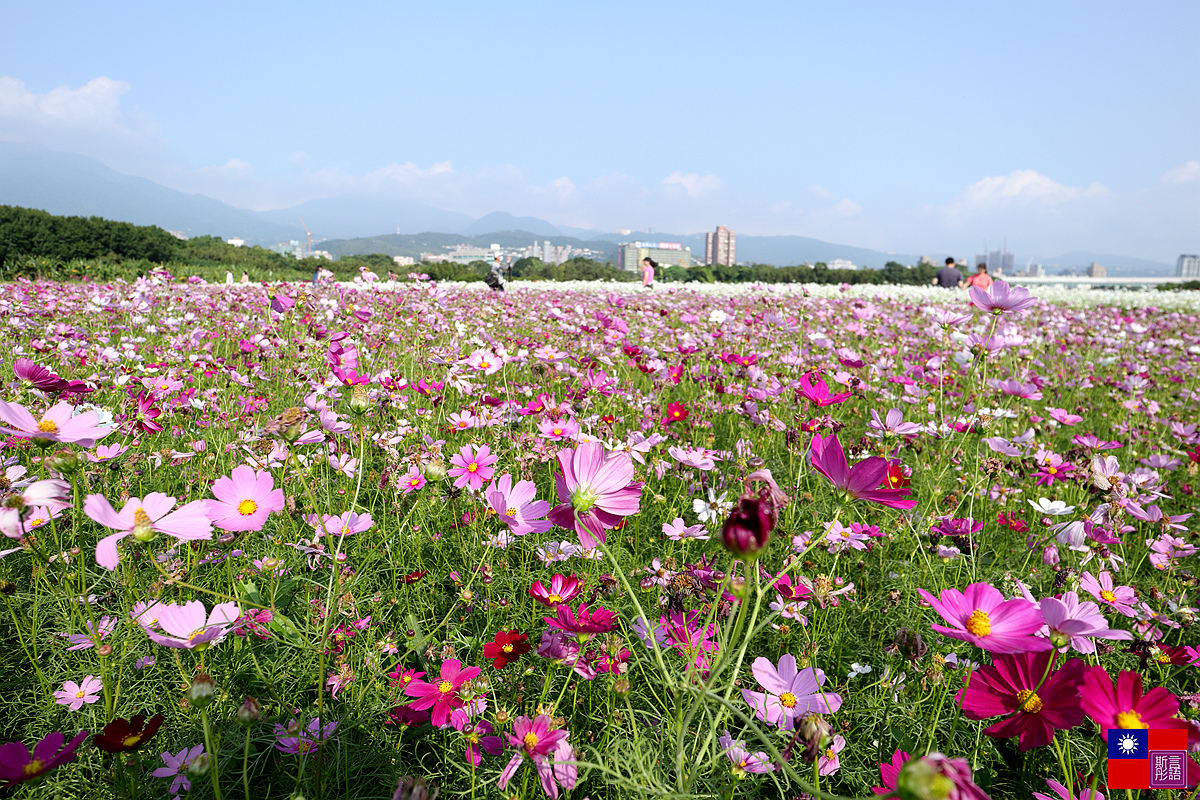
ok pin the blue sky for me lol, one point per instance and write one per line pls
(909, 127)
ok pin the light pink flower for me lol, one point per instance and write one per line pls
(472, 467)
(74, 695)
(244, 500)
(596, 490)
(516, 506)
(789, 693)
(56, 425)
(186, 626)
(142, 518)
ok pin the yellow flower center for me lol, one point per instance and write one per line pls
(445, 687)
(247, 507)
(47, 426)
(830, 754)
(81, 693)
(34, 767)
(506, 648)
(1052, 470)
(130, 741)
(473, 738)
(34, 523)
(788, 699)
(415, 482)
(140, 517)
(558, 431)
(472, 467)
(510, 512)
(554, 599)
(530, 739)
(1107, 596)
(1028, 701)
(978, 624)
(345, 530)
(1130, 719)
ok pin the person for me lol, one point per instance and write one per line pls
(245, 277)
(495, 278)
(648, 265)
(948, 277)
(980, 278)
(316, 275)
(228, 278)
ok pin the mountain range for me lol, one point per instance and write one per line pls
(67, 184)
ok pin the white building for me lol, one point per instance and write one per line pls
(841, 263)
(235, 241)
(403, 261)
(1188, 267)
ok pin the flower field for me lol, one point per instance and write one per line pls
(587, 540)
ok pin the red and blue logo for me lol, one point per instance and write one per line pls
(1147, 759)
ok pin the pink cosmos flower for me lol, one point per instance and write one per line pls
(472, 467)
(1000, 299)
(35, 376)
(1063, 416)
(1070, 622)
(411, 481)
(892, 424)
(547, 748)
(56, 425)
(516, 506)
(1012, 686)
(585, 623)
(1119, 598)
(677, 530)
(889, 772)
(744, 762)
(693, 641)
(818, 392)
(829, 763)
(558, 429)
(346, 524)
(74, 695)
(789, 694)
(442, 695)
(921, 774)
(477, 734)
(18, 765)
(982, 616)
(1125, 706)
(187, 626)
(176, 767)
(561, 590)
(860, 482)
(596, 490)
(142, 519)
(1065, 794)
(244, 500)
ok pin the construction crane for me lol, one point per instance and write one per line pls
(306, 230)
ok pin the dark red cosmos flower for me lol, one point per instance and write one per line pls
(413, 577)
(506, 649)
(1034, 708)
(676, 412)
(122, 735)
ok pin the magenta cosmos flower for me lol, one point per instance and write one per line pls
(789, 693)
(860, 482)
(18, 765)
(547, 748)
(1125, 706)
(583, 623)
(244, 500)
(1119, 598)
(56, 425)
(441, 695)
(516, 506)
(889, 772)
(1009, 687)
(1000, 299)
(142, 519)
(472, 467)
(561, 590)
(187, 626)
(982, 616)
(596, 489)
(818, 392)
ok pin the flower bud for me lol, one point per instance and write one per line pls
(199, 766)
(63, 461)
(1050, 556)
(748, 528)
(202, 691)
(621, 686)
(104, 650)
(414, 789)
(360, 402)
(435, 470)
(935, 777)
(250, 711)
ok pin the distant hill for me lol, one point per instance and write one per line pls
(71, 185)
(779, 250)
(1117, 266)
(352, 216)
(502, 221)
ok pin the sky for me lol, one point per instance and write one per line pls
(907, 127)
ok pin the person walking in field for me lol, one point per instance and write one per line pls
(980, 278)
(648, 265)
(948, 277)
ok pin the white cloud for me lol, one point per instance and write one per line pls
(692, 184)
(1022, 187)
(64, 112)
(1189, 171)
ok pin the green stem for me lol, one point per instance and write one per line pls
(246, 764)
(212, 753)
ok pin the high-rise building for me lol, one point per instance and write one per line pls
(1188, 267)
(720, 247)
(999, 262)
(1095, 270)
(665, 254)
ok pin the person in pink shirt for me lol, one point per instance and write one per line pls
(648, 265)
(980, 278)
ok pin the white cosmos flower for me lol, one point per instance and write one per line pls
(1056, 508)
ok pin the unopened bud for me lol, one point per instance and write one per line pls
(199, 766)
(621, 686)
(920, 779)
(250, 711)
(202, 690)
(104, 650)
(748, 528)
(62, 461)
(360, 402)
(435, 470)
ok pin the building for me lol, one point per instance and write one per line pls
(465, 254)
(841, 263)
(1036, 271)
(1095, 270)
(403, 261)
(1188, 267)
(999, 262)
(720, 247)
(236, 241)
(665, 254)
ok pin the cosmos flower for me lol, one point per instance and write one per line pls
(1000, 299)
(244, 500)
(584, 622)
(74, 695)
(818, 392)
(472, 467)
(1119, 598)
(1013, 686)
(142, 519)
(441, 696)
(561, 590)
(860, 482)
(982, 616)
(1125, 705)
(547, 748)
(789, 694)
(18, 765)
(743, 761)
(506, 648)
(57, 425)
(187, 626)
(596, 490)
(175, 766)
(121, 735)
(516, 507)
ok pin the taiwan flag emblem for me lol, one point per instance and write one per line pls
(1147, 759)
